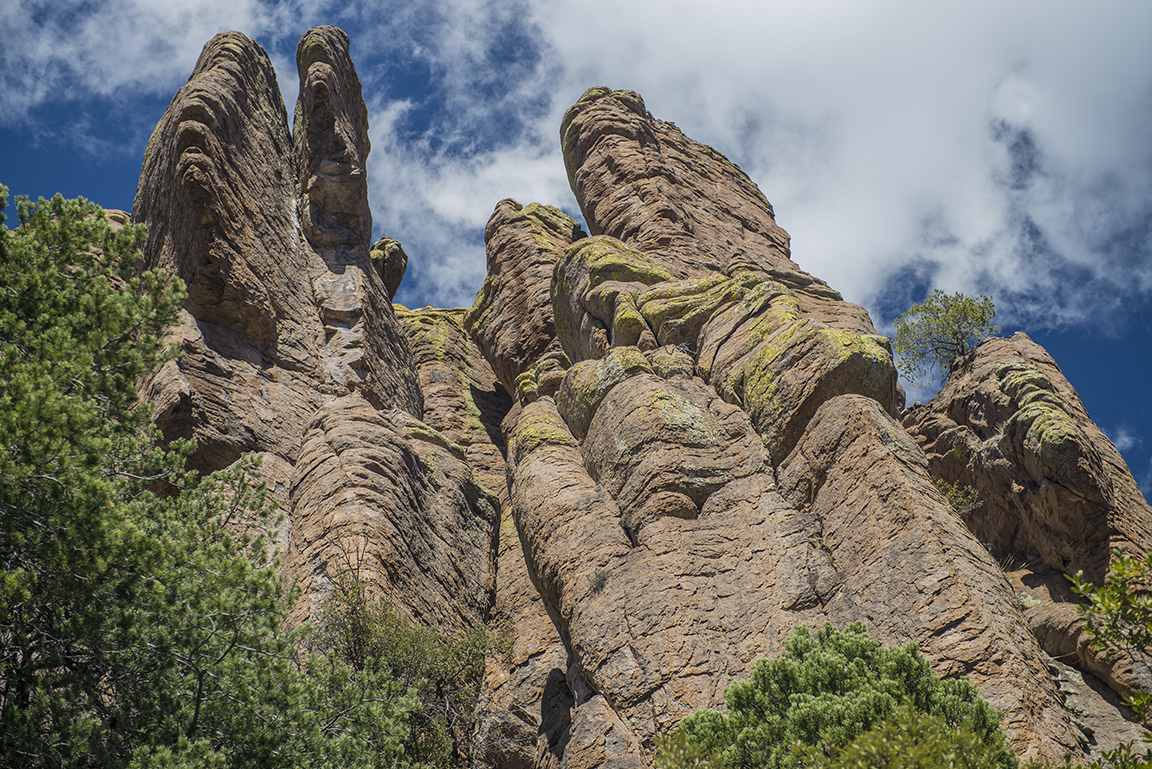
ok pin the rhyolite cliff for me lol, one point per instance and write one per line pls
(650, 449)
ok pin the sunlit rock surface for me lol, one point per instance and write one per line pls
(647, 451)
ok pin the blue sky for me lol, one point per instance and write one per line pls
(996, 147)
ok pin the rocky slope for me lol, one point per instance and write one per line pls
(650, 449)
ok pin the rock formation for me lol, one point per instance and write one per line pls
(1052, 486)
(650, 450)
(291, 346)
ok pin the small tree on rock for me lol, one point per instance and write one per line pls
(933, 333)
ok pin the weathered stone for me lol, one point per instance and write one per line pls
(1097, 712)
(383, 497)
(751, 339)
(331, 142)
(512, 320)
(701, 453)
(1051, 485)
(391, 263)
(1059, 629)
(363, 338)
(658, 624)
(644, 182)
(291, 345)
(213, 190)
(912, 570)
(594, 289)
(681, 203)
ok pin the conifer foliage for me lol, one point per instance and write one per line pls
(835, 698)
(933, 333)
(137, 629)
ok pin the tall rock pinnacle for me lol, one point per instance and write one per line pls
(291, 346)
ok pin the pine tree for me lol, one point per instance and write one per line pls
(136, 629)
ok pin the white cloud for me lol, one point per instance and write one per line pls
(1123, 438)
(998, 149)
(980, 146)
(72, 48)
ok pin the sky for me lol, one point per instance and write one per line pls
(986, 147)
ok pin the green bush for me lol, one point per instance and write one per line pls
(912, 739)
(827, 690)
(962, 497)
(442, 674)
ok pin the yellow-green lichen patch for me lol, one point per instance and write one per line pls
(1043, 419)
(595, 275)
(682, 421)
(677, 310)
(540, 426)
(541, 380)
(606, 258)
(782, 310)
(549, 227)
(677, 289)
(846, 344)
(756, 386)
(442, 356)
(415, 430)
(670, 363)
(478, 318)
(627, 323)
(587, 382)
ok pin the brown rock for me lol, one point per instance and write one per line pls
(363, 338)
(702, 453)
(1051, 485)
(684, 205)
(644, 182)
(391, 263)
(212, 191)
(292, 348)
(913, 571)
(511, 320)
(640, 496)
(1059, 629)
(384, 497)
(660, 624)
(594, 290)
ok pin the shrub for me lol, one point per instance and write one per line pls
(442, 674)
(827, 690)
(912, 739)
(962, 497)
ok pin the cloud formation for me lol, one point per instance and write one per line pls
(981, 147)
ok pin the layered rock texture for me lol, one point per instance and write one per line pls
(648, 450)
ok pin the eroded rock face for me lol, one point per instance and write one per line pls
(649, 452)
(363, 339)
(512, 320)
(292, 348)
(1051, 485)
(714, 458)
